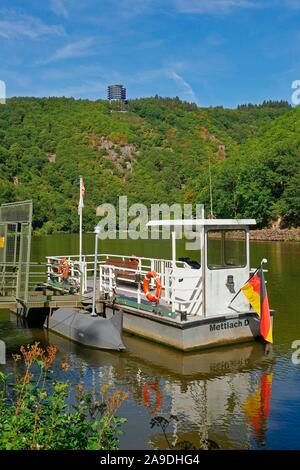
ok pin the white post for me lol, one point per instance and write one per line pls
(101, 283)
(80, 236)
(203, 262)
(139, 288)
(80, 205)
(84, 275)
(94, 313)
(139, 275)
(48, 269)
(173, 267)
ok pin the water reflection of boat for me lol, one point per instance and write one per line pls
(221, 389)
(208, 363)
(211, 392)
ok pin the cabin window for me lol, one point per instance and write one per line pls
(226, 249)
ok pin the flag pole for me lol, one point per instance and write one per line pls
(94, 313)
(80, 220)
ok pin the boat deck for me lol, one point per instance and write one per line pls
(40, 301)
(128, 299)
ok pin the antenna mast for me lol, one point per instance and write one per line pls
(210, 189)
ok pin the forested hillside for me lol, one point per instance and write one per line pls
(158, 151)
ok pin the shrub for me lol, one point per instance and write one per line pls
(37, 411)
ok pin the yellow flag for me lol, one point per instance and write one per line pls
(2, 242)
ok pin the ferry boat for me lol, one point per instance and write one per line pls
(181, 303)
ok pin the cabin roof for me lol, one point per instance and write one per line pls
(200, 222)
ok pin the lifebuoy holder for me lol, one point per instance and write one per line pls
(154, 298)
(63, 268)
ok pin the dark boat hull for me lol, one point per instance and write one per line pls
(94, 332)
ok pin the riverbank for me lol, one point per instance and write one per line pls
(274, 235)
(265, 234)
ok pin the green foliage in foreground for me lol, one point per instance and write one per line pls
(35, 410)
(156, 152)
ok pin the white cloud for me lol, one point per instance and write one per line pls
(185, 90)
(145, 76)
(14, 78)
(185, 87)
(130, 8)
(84, 89)
(59, 8)
(213, 6)
(152, 44)
(293, 4)
(80, 48)
(13, 25)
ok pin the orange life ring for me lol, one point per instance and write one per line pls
(155, 406)
(152, 297)
(63, 268)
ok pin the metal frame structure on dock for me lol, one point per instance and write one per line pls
(15, 238)
(23, 284)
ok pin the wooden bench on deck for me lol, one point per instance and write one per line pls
(128, 263)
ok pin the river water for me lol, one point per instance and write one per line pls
(239, 397)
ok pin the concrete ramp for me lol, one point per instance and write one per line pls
(95, 332)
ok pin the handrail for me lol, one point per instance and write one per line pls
(76, 257)
(108, 277)
(86, 266)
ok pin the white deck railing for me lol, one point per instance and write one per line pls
(110, 281)
(85, 268)
(76, 278)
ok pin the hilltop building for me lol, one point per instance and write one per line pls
(116, 93)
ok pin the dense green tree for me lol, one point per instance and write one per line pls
(158, 151)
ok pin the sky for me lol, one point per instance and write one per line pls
(212, 52)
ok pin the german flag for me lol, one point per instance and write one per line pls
(256, 293)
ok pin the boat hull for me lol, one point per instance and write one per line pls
(94, 332)
(194, 334)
